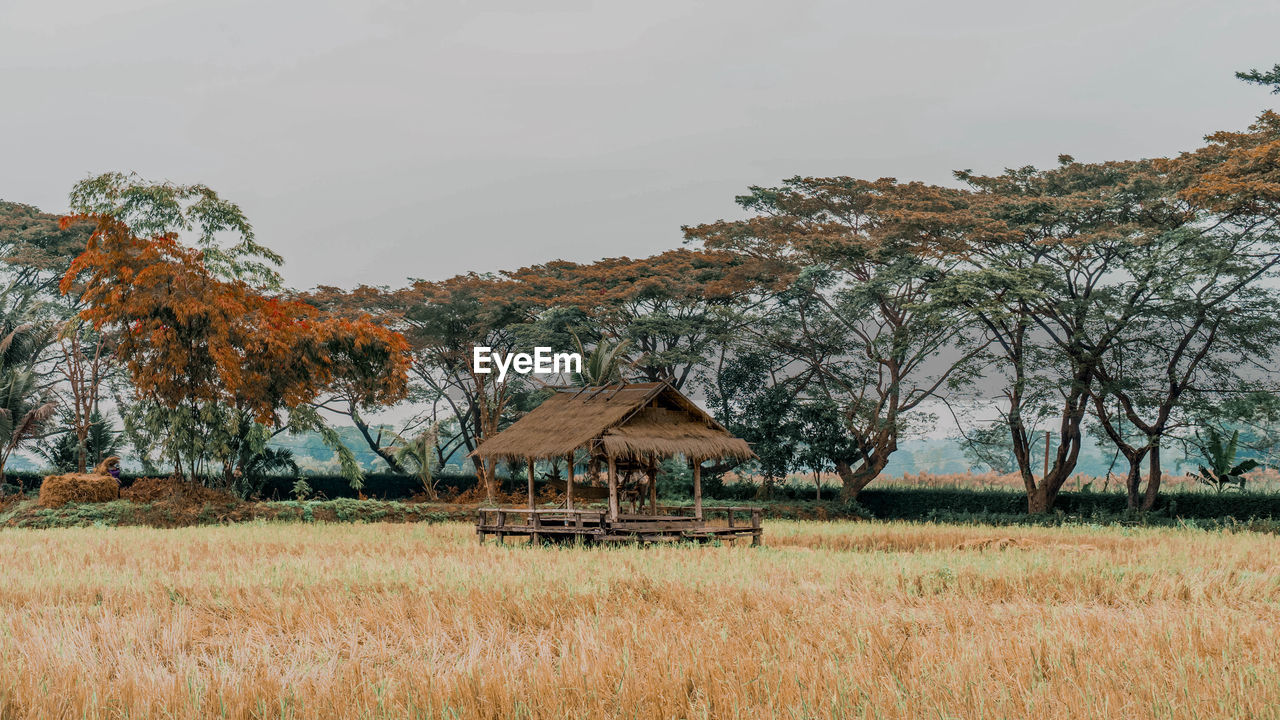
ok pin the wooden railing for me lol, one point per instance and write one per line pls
(729, 520)
(534, 520)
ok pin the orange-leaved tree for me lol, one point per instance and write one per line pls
(191, 339)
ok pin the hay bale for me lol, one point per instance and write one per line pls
(58, 490)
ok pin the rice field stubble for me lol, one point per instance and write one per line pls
(829, 620)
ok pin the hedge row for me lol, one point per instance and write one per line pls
(927, 503)
(384, 486)
(897, 503)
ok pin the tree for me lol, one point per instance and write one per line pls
(443, 323)
(36, 248)
(854, 265)
(753, 405)
(194, 343)
(668, 304)
(1065, 262)
(990, 445)
(26, 403)
(420, 453)
(69, 451)
(1191, 346)
(229, 253)
(85, 363)
(152, 209)
(1213, 317)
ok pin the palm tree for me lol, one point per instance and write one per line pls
(604, 364)
(25, 405)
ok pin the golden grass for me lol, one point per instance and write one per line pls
(832, 619)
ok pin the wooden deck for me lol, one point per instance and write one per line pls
(588, 526)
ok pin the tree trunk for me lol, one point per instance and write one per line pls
(82, 448)
(765, 490)
(1153, 482)
(490, 480)
(1133, 478)
(853, 481)
(1040, 501)
(485, 474)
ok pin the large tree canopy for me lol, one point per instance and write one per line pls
(854, 266)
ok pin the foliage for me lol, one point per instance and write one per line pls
(990, 446)
(302, 489)
(63, 453)
(209, 349)
(151, 209)
(443, 322)
(1265, 78)
(851, 271)
(254, 468)
(419, 454)
(36, 248)
(673, 308)
(761, 412)
(25, 404)
(1223, 471)
(604, 364)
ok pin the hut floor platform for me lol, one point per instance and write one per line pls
(595, 526)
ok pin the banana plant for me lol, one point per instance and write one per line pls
(1223, 471)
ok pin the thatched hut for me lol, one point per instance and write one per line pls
(626, 428)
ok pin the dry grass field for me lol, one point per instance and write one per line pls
(831, 620)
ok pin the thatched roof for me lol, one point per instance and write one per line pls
(624, 420)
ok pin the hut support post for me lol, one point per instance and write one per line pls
(613, 489)
(568, 496)
(653, 489)
(697, 490)
(531, 505)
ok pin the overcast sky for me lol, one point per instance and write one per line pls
(377, 140)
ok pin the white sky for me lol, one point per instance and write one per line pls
(377, 140)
